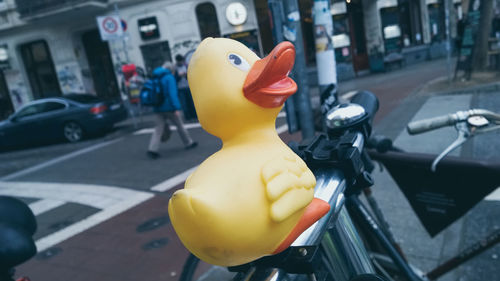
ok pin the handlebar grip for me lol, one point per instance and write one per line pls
(430, 124)
(368, 101)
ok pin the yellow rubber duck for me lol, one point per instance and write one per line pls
(253, 197)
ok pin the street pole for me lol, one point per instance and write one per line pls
(292, 31)
(325, 54)
(447, 6)
(278, 18)
(124, 43)
(127, 61)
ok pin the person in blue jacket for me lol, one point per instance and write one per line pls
(168, 110)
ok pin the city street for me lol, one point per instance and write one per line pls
(101, 204)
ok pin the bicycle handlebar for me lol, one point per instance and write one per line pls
(430, 124)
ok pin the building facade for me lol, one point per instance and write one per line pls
(370, 34)
(54, 47)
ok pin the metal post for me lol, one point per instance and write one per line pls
(125, 52)
(292, 31)
(124, 43)
(447, 7)
(278, 17)
(325, 54)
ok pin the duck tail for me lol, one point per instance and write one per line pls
(314, 211)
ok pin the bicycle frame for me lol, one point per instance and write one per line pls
(487, 172)
(331, 249)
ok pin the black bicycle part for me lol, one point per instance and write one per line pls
(361, 215)
(329, 98)
(17, 226)
(16, 247)
(367, 277)
(439, 198)
(15, 212)
(336, 153)
(189, 268)
(295, 260)
(368, 101)
(465, 255)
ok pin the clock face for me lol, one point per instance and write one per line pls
(236, 13)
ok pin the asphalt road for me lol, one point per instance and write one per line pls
(87, 192)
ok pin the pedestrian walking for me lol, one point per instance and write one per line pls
(168, 110)
(183, 86)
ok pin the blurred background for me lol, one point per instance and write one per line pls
(73, 134)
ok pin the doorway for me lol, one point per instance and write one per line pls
(100, 65)
(6, 107)
(155, 55)
(40, 69)
(360, 59)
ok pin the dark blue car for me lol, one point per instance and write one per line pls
(70, 117)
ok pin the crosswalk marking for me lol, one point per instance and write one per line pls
(57, 160)
(173, 181)
(45, 205)
(494, 196)
(110, 200)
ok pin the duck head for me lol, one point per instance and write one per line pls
(234, 90)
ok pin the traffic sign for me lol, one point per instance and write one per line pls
(110, 27)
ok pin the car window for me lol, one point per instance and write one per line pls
(52, 106)
(83, 98)
(29, 110)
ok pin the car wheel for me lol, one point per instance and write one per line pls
(73, 132)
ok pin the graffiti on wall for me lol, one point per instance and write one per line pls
(17, 88)
(185, 48)
(70, 78)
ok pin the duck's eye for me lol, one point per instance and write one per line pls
(239, 62)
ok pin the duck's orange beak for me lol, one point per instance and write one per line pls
(267, 83)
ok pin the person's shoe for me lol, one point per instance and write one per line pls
(192, 145)
(153, 155)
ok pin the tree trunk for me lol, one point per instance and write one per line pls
(480, 56)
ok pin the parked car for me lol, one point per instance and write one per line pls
(71, 117)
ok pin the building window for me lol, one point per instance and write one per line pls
(148, 28)
(207, 20)
(40, 69)
(155, 55)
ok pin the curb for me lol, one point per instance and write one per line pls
(477, 89)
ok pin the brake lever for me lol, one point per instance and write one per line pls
(487, 129)
(464, 133)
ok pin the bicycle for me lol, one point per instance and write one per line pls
(325, 252)
(331, 249)
(447, 178)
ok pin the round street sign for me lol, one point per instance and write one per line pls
(110, 25)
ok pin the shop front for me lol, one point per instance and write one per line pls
(349, 35)
(162, 30)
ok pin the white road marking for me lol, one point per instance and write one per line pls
(494, 196)
(282, 129)
(45, 205)
(111, 200)
(76, 228)
(282, 114)
(173, 128)
(347, 96)
(57, 160)
(96, 196)
(173, 181)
